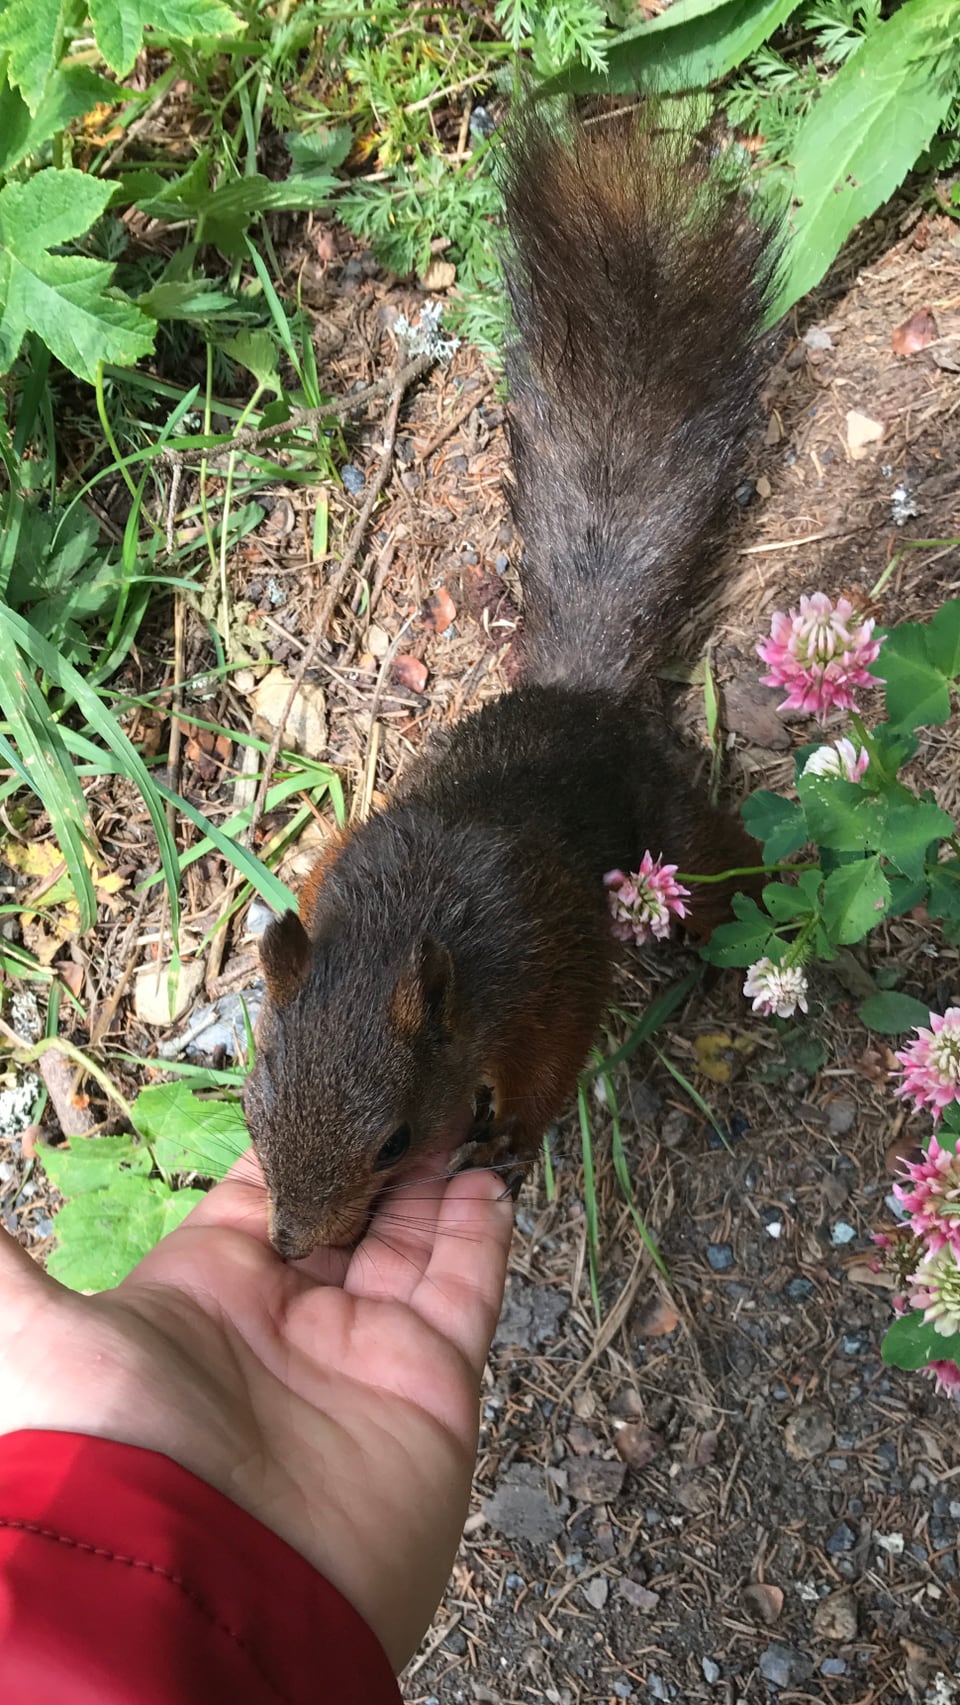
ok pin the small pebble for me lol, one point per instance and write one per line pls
(838, 1464)
(840, 1117)
(855, 1507)
(842, 1233)
(622, 1688)
(711, 1671)
(720, 1257)
(657, 1687)
(854, 1343)
(833, 1666)
(954, 1509)
(482, 125)
(745, 493)
(841, 1539)
(514, 1582)
(502, 563)
(352, 478)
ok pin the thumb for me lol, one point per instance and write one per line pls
(22, 1282)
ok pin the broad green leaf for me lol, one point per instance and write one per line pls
(94, 1163)
(226, 212)
(785, 903)
(892, 1013)
(257, 352)
(917, 692)
(189, 1132)
(779, 824)
(944, 879)
(63, 298)
(69, 93)
(186, 299)
(103, 1235)
(31, 33)
(855, 898)
(862, 135)
(688, 46)
(943, 637)
(119, 25)
(321, 150)
(908, 831)
(911, 1343)
(839, 814)
(739, 943)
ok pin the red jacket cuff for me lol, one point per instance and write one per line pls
(124, 1578)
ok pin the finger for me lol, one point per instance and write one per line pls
(462, 1290)
(238, 1203)
(396, 1251)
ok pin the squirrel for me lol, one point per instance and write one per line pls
(461, 937)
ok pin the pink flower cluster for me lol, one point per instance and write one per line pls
(931, 1064)
(820, 654)
(931, 1197)
(644, 902)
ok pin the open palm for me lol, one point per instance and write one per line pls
(335, 1400)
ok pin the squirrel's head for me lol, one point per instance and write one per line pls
(359, 1073)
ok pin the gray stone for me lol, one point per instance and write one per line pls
(521, 1507)
(835, 1618)
(720, 1257)
(711, 1671)
(783, 1666)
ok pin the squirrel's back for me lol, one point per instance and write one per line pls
(637, 283)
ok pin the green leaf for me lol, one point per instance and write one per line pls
(689, 45)
(102, 1235)
(320, 150)
(862, 135)
(739, 943)
(63, 298)
(911, 1343)
(186, 299)
(119, 25)
(94, 1163)
(944, 879)
(909, 828)
(917, 692)
(785, 903)
(839, 814)
(855, 898)
(257, 351)
(191, 1133)
(778, 823)
(69, 93)
(31, 32)
(943, 636)
(893, 1014)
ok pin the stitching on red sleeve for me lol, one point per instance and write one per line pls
(152, 1569)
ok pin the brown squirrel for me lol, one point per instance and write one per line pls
(461, 938)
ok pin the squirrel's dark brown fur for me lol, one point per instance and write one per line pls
(462, 938)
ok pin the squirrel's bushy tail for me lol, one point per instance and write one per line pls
(637, 284)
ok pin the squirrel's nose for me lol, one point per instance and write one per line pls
(291, 1239)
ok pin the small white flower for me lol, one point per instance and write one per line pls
(776, 989)
(841, 759)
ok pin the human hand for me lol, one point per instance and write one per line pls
(335, 1400)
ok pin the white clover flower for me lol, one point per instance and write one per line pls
(841, 759)
(776, 989)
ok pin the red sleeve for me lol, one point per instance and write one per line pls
(125, 1580)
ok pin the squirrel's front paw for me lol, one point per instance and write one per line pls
(492, 1146)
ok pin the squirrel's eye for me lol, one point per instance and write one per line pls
(393, 1149)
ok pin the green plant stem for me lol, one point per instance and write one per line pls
(27, 1056)
(109, 435)
(908, 545)
(747, 870)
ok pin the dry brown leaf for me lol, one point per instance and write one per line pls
(440, 274)
(655, 1318)
(915, 333)
(637, 1444)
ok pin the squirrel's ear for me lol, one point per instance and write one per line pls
(285, 957)
(424, 988)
